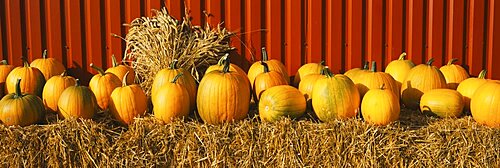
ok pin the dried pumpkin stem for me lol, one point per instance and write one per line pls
(265, 66)
(382, 87)
(402, 56)
(374, 66)
(25, 62)
(98, 69)
(173, 64)
(482, 74)
(176, 77)
(327, 72)
(430, 61)
(453, 60)
(64, 73)
(226, 65)
(18, 88)
(113, 61)
(322, 63)
(264, 54)
(124, 80)
(365, 66)
(77, 82)
(323, 71)
(4, 62)
(44, 54)
(222, 59)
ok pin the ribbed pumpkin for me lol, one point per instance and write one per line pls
(485, 104)
(420, 79)
(21, 108)
(335, 97)
(102, 84)
(399, 68)
(48, 66)
(166, 75)
(355, 73)
(223, 96)
(374, 79)
(380, 106)
(274, 65)
(77, 101)
(281, 101)
(307, 69)
(53, 89)
(32, 82)
(442, 102)
(454, 74)
(4, 71)
(171, 101)
(469, 86)
(306, 85)
(266, 80)
(127, 102)
(119, 70)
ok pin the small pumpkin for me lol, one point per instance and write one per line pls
(32, 82)
(421, 78)
(5, 69)
(127, 102)
(484, 104)
(355, 73)
(453, 74)
(374, 79)
(335, 97)
(171, 101)
(266, 80)
(442, 102)
(48, 66)
(281, 101)
(307, 69)
(380, 106)
(223, 96)
(274, 65)
(469, 86)
(77, 101)
(53, 89)
(166, 75)
(399, 68)
(21, 108)
(119, 70)
(306, 85)
(102, 84)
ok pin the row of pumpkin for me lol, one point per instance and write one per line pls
(224, 93)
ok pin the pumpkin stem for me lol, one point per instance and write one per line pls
(402, 56)
(382, 87)
(124, 80)
(365, 66)
(482, 74)
(227, 64)
(453, 60)
(266, 67)
(25, 62)
(264, 54)
(3, 62)
(323, 71)
(176, 77)
(113, 61)
(18, 88)
(322, 63)
(222, 59)
(173, 64)
(374, 66)
(44, 54)
(77, 82)
(64, 73)
(98, 69)
(327, 72)
(430, 61)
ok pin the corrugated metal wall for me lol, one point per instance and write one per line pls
(343, 32)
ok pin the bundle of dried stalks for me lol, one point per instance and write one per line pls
(153, 42)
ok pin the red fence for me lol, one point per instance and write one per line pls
(343, 32)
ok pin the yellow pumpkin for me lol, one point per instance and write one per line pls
(21, 108)
(442, 102)
(306, 85)
(120, 70)
(469, 86)
(355, 73)
(380, 106)
(32, 82)
(399, 68)
(53, 89)
(4, 71)
(374, 79)
(266, 80)
(127, 102)
(485, 104)
(453, 74)
(48, 66)
(171, 101)
(307, 69)
(274, 65)
(77, 101)
(281, 101)
(102, 84)
(166, 75)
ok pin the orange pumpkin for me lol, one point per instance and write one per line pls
(266, 80)
(120, 71)
(399, 68)
(374, 79)
(4, 71)
(32, 82)
(77, 101)
(102, 84)
(306, 85)
(485, 104)
(454, 74)
(442, 102)
(53, 89)
(274, 65)
(380, 106)
(355, 73)
(171, 101)
(281, 101)
(127, 102)
(469, 86)
(307, 69)
(21, 108)
(48, 66)
(166, 75)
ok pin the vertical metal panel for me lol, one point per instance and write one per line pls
(113, 26)
(375, 43)
(455, 33)
(415, 31)
(476, 25)
(394, 30)
(335, 36)
(435, 32)
(175, 8)
(93, 33)
(196, 9)
(34, 29)
(493, 53)
(294, 46)
(234, 22)
(253, 30)
(54, 31)
(314, 31)
(354, 34)
(150, 5)
(13, 26)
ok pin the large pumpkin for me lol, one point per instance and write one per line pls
(223, 96)
(307, 69)
(266, 80)
(281, 101)
(53, 89)
(102, 84)
(4, 71)
(374, 79)
(77, 101)
(335, 97)
(32, 82)
(420, 79)
(356, 73)
(274, 65)
(166, 75)
(21, 108)
(453, 74)
(171, 101)
(399, 68)
(48, 66)
(485, 104)
(442, 102)
(127, 102)
(306, 85)
(469, 86)
(119, 70)
(380, 106)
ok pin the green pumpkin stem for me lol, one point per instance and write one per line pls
(44, 54)
(98, 69)
(322, 63)
(264, 54)
(176, 77)
(327, 72)
(25, 62)
(482, 74)
(227, 64)
(222, 59)
(453, 60)
(18, 88)
(113, 61)
(402, 56)
(124, 80)
(3, 62)
(323, 71)
(173, 64)
(77, 82)
(430, 61)
(266, 67)
(374, 66)
(365, 66)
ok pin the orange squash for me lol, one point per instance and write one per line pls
(374, 79)
(380, 106)
(32, 82)
(127, 102)
(454, 74)
(77, 101)
(399, 68)
(355, 73)
(469, 86)
(4, 71)
(166, 75)
(102, 84)
(53, 89)
(485, 104)
(48, 66)
(21, 108)
(274, 65)
(171, 101)
(442, 102)
(306, 85)
(119, 70)
(307, 69)
(281, 101)
(266, 80)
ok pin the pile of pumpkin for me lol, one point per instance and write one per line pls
(225, 92)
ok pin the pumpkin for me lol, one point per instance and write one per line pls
(166, 75)
(281, 101)
(53, 89)
(32, 82)
(469, 86)
(171, 101)
(21, 108)
(335, 97)
(306, 85)
(380, 106)
(307, 69)
(399, 68)
(102, 84)
(355, 73)
(77, 101)
(374, 79)
(127, 102)
(442, 102)
(274, 65)
(223, 96)
(453, 74)
(48, 66)
(420, 79)
(120, 71)
(4, 71)
(484, 104)
(266, 80)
